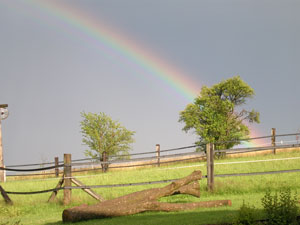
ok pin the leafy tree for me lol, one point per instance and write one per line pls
(103, 135)
(216, 115)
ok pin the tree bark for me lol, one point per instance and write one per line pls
(142, 201)
(104, 159)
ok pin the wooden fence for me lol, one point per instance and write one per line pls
(65, 183)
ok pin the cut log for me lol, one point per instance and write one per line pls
(142, 201)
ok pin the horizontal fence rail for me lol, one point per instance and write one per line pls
(177, 149)
(148, 182)
(256, 173)
(256, 138)
(200, 155)
(256, 149)
(33, 192)
(138, 165)
(117, 164)
(34, 164)
(139, 159)
(33, 174)
(30, 170)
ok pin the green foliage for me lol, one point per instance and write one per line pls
(279, 209)
(214, 115)
(282, 209)
(101, 133)
(247, 215)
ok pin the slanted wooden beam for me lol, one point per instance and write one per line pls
(54, 193)
(88, 190)
(5, 196)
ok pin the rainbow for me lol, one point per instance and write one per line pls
(113, 42)
(255, 142)
(122, 45)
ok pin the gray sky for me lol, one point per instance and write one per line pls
(51, 70)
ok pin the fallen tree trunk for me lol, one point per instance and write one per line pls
(142, 201)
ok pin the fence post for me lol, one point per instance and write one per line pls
(1, 157)
(158, 154)
(273, 139)
(68, 180)
(56, 167)
(210, 166)
(4, 174)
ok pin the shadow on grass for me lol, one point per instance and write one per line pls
(172, 218)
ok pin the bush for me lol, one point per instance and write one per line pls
(282, 209)
(246, 215)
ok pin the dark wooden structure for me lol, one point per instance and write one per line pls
(5, 196)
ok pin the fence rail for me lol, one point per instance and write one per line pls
(180, 148)
(197, 155)
(151, 161)
(117, 164)
(148, 182)
(140, 162)
(30, 170)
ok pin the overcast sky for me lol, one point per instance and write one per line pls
(51, 69)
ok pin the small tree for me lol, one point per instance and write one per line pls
(104, 136)
(216, 115)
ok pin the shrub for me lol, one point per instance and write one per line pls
(282, 209)
(246, 215)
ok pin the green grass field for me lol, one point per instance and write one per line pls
(34, 209)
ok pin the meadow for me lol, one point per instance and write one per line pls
(34, 209)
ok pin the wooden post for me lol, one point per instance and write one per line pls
(273, 139)
(158, 154)
(56, 168)
(210, 166)
(67, 179)
(1, 156)
(5, 196)
(2, 173)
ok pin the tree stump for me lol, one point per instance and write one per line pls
(142, 201)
